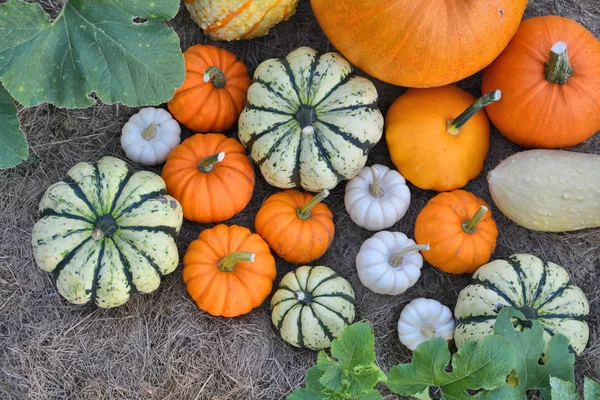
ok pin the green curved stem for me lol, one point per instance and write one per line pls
(396, 259)
(215, 75)
(375, 187)
(558, 68)
(208, 163)
(227, 263)
(457, 123)
(470, 225)
(304, 211)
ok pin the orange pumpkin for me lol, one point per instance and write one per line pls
(228, 270)
(550, 78)
(460, 231)
(421, 43)
(438, 138)
(296, 225)
(214, 91)
(211, 176)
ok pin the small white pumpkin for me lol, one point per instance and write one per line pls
(377, 197)
(389, 262)
(424, 319)
(150, 135)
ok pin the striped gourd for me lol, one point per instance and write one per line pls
(312, 306)
(106, 232)
(540, 290)
(309, 121)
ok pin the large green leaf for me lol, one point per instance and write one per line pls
(477, 366)
(93, 46)
(313, 389)
(13, 146)
(564, 390)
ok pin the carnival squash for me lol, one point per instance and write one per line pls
(421, 43)
(310, 122)
(228, 270)
(106, 232)
(211, 175)
(213, 93)
(550, 80)
(460, 231)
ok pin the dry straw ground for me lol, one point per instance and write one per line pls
(161, 346)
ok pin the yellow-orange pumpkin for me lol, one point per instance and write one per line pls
(228, 270)
(211, 176)
(214, 91)
(419, 43)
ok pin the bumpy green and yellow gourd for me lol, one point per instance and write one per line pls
(106, 232)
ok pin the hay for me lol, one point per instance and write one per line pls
(160, 346)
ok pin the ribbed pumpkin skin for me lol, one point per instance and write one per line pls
(234, 293)
(452, 250)
(213, 196)
(239, 19)
(422, 149)
(201, 106)
(320, 96)
(312, 307)
(539, 289)
(294, 239)
(422, 43)
(533, 111)
(106, 232)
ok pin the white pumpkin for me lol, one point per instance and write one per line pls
(150, 135)
(389, 262)
(377, 197)
(424, 319)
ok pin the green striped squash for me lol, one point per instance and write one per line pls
(540, 290)
(312, 306)
(309, 121)
(106, 232)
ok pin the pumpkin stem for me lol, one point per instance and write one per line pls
(304, 297)
(375, 187)
(457, 123)
(105, 227)
(470, 225)
(304, 211)
(558, 68)
(396, 259)
(215, 75)
(227, 263)
(306, 117)
(428, 330)
(149, 132)
(208, 163)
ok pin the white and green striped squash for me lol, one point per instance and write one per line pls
(541, 290)
(106, 232)
(312, 306)
(309, 121)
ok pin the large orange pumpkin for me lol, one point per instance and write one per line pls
(460, 231)
(211, 176)
(214, 91)
(439, 137)
(296, 225)
(419, 43)
(550, 78)
(228, 270)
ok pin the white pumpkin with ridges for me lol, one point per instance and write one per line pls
(424, 319)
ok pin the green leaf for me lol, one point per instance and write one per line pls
(371, 395)
(591, 389)
(93, 46)
(333, 375)
(529, 346)
(13, 145)
(313, 389)
(563, 390)
(477, 365)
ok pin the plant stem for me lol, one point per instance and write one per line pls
(208, 163)
(149, 132)
(227, 263)
(375, 187)
(428, 330)
(396, 259)
(215, 75)
(558, 68)
(470, 225)
(456, 125)
(304, 211)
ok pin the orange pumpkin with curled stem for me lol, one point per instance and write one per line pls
(213, 93)
(296, 225)
(460, 231)
(211, 176)
(228, 270)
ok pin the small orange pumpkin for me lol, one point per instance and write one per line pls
(211, 176)
(296, 225)
(439, 138)
(212, 96)
(550, 78)
(228, 270)
(460, 231)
